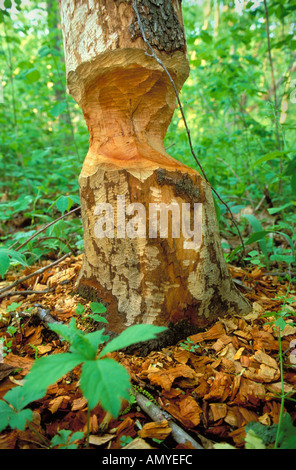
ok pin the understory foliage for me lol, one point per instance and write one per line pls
(239, 103)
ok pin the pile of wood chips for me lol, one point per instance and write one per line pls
(212, 384)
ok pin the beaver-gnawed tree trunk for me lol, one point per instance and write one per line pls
(176, 275)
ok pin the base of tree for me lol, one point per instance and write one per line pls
(160, 280)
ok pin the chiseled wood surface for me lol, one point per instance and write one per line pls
(128, 103)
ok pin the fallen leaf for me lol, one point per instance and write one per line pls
(221, 388)
(182, 356)
(19, 362)
(100, 440)
(221, 342)
(79, 404)
(165, 378)
(58, 402)
(213, 333)
(5, 370)
(8, 440)
(288, 330)
(186, 410)
(238, 354)
(263, 340)
(44, 349)
(268, 370)
(218, 410)
(249, 392)
(155, 430)
(138, 444)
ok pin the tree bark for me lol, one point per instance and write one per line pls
(178, 277)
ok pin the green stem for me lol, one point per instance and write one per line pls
(43, 439)
(276, 445)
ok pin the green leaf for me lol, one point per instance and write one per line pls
(105, 381)
(271, 156)
(274, 210)
(280, 322)
(97, 318)
(16, 417)
(19, 397)
(58, 108)
(257, 227)
(47, 370)
(133, 334)
(65, 438)
(19, 420)
(206, 37)
(12, 307)
(97, 307)
(94, 339)
(17, 257)
(4, 263)
(62, 204)
(65, 331)
(5, 414)
(32, 75)
(252, 441)
(85, 345)
(257, 236)
(80, 309)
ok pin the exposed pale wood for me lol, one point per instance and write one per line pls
(128, 102)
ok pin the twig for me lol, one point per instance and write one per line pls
(44, 315)
(44, 228)
(184, 119)
(155, 413)
(35, 273)
(25, 292)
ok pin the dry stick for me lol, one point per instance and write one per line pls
(35, 273)
(44, 228)
(25, 292)
(155, 413)
(184, 119)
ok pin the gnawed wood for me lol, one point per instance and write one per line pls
(128, 102)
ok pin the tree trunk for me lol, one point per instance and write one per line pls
(177, 275)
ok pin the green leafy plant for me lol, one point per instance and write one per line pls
(96, 308)
(66, 439)
(189, 345)
(102, 378)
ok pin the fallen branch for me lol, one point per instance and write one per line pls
(35, 273)
(155, 413)
(25, 292)
(44, 315)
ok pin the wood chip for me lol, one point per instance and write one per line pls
(100, 440)
(155, 430)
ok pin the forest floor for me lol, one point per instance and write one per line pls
(211, 384)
